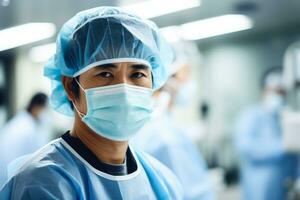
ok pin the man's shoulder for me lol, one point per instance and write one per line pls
(165, 175)
(40, 162)
(46, 170)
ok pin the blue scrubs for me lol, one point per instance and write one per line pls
(265, 167)
(61, 170)
(165, 141)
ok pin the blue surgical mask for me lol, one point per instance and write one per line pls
(117, 112)
(274, 102)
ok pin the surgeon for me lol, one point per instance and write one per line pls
(265, 167)
(106, 66)
(25, 133)
(172, 145)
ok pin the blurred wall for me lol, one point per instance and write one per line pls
(29, 80)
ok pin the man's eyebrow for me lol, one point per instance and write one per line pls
(106, 66)
(140, 67)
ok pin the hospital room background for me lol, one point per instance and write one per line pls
(223, 50)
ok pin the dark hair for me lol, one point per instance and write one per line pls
(275, 69)
(74, 88)
(39, 99)
(204, 110)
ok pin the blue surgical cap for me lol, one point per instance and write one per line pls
(100, 36)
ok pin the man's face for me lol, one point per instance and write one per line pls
(39, 112)
(111, 74)
(273, 99)
(278, 90)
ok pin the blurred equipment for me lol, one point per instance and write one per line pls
(291, 116)
(265, 165)
(24, 133)
(291, 127)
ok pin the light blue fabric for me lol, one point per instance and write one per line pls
(117, 112)
(105, 35)
(57, 172)
(14, 165)
(165, 141)
(265, 166)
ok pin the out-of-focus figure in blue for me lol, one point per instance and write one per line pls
(167, 141)
(24, 133)
(265, 166)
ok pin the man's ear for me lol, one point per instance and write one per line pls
(67, 81)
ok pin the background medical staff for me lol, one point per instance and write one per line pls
(265, 167)
(24, 133)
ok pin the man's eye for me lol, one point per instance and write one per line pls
(105, 74)
(138, 75)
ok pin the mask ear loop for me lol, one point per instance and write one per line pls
(79, 85)
(79, 113)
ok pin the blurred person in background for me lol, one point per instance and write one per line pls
(24, 133)
(265, 166)
(167, 141)
(107, 64)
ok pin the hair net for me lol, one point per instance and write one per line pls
(274, 80)
(105, 35)
(186, 54)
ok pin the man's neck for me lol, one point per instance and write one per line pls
(108, 151)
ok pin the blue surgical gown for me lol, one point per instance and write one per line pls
(265, 167)
(165, 140)
(57, 171)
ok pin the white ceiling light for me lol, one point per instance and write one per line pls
(42, 53)
(211, 27)
(171, 33)
(155, 8)
(25, 34)
(5, 2)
